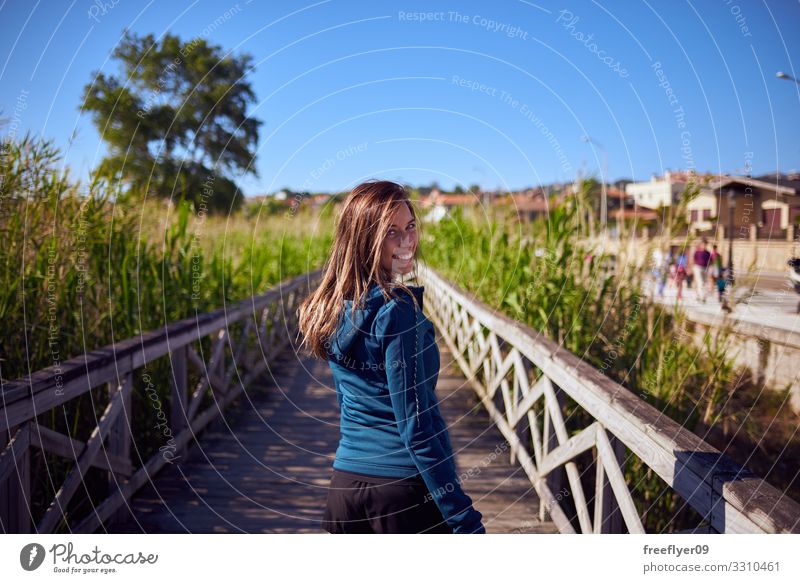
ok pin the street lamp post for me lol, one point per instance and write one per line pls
(782, 75)
(603, 193)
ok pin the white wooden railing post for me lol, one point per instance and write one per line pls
(607, 515)
(554, 478)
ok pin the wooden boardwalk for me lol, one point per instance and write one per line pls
(265, 465)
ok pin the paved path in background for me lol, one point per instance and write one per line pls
(768, 306)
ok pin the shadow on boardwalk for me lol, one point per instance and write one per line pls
(264, 467)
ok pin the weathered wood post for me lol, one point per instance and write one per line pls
(180, 396)
(119, 442)
(15, 480)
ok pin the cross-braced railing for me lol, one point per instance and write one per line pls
(245, 336)
(522, 379)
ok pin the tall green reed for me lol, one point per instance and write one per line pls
(82, 266)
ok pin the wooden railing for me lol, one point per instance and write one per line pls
(522, 378)
(253, 331)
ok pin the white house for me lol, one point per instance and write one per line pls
(703, 211)
(658, 191)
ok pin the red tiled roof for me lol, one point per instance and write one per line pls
(458, 199)
(639, 213)
(616, 193)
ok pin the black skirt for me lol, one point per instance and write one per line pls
(362, 504)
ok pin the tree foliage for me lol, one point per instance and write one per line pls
(175, 119)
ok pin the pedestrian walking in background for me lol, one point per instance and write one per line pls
(660, 272)
(700, 261)
(715, 267)
(681, 271)
(721, 284)
(717, 272)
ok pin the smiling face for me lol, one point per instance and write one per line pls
(400, 242)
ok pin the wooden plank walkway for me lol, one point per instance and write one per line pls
(265, 466)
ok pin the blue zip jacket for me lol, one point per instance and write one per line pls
(385, 365)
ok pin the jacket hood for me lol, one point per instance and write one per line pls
(353, 324)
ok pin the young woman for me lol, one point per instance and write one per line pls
(394, 470)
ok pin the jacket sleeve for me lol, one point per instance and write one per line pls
(439, 424)
(440, 430)
(415, 415)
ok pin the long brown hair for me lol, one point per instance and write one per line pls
(354, 261)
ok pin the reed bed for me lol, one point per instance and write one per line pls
(542, 275)
(84, 266)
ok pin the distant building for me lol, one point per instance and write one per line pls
(781, 209)
(638, 214)
(658, 191)
(703, 211)
(449, 201)
(624, 213)
(622, 183)
(317, 200)
(618, 199)
(439, 204)
(529, 204)
(766, 207)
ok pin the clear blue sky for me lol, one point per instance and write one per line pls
(352, 90)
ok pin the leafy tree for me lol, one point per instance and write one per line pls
(175, 119)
